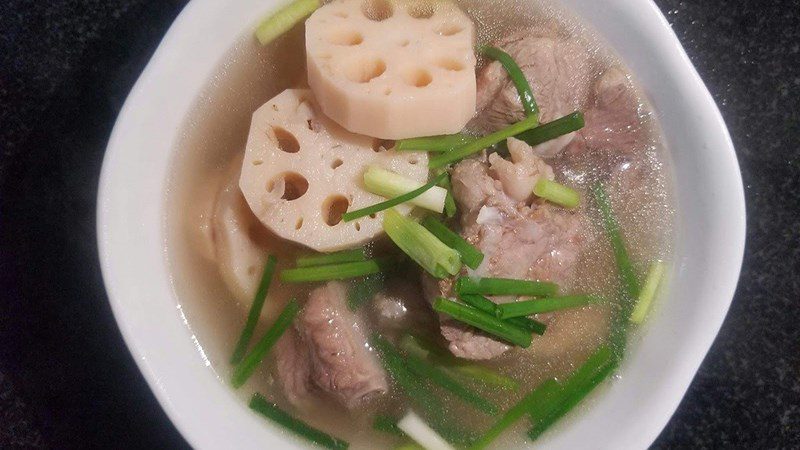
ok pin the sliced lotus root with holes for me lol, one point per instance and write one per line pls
(302, 171)
(393, 69)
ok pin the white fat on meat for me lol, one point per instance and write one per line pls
(519, 175)
(329, 351)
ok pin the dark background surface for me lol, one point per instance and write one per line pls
(66, 378)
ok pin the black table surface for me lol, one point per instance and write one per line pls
(66, 377)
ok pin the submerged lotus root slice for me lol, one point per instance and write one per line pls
(302, 171)
(393, 69)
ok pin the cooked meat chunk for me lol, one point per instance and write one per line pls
(520, 174)
(339, 358)
(521, 241)
(559, 70)
(293, 367)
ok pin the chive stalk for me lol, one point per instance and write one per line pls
(624, 265)
(538, 395)
(434, 143)
(543, 305)
(437, 376)
(271, 411)
(473, 147)
(557, 193)
(388, 184)
(363, 290)
(338, 271)
(648, 293)
(486, 305)
(248, 365)
(517, 77)
(283, 20)
(255, 310)
(450, 208)
(344, 256)
(469, 254)
(597, 368)
(387, 425)
(484, 321)
(552, 130)
(421, 245)
(505, 286)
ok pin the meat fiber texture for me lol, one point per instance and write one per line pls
(327, 350)
(393, 69)
(301, 171)
(520, 239)
(565, 77)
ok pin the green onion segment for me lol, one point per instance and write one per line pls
(552, 130)
(248, 365)
(344, 256)
(421, 245)
(283, 20)
(436, 202)
(557, 193)
(255, 310)
(434, 143)
(471, 148)
(469, 254)
(517, 77)
(484, 321)
(271, 411)
(341, 271)
(505, 286)
(648, 293)
(543, 305)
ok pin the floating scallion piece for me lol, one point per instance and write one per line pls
(421, 245)
(538, 395)
(338, 271)
(248, 365)
(557, 193)
(255, 310)
(437, 376)
(472, 372)
(517, 77)
(271, 411)
(283, 20)
(364, 289)
(597, 368)
(648, 292)
(471, 148)
(624, 264)
(552, 130)
(434, 143)
(505, 286)
(423, 434)
(401, 193)
(450, 208)
(486, 305)
(322, 259)
(484, 321)
(469, 254)
(387, 425)
(544, 305)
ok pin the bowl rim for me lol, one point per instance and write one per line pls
(119, 231)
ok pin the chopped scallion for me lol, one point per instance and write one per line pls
(648, 292)
(543, 305)
(450, 208)
(517, 77)
(471, 148)
(557, 193)
(469, 254)
(484, 321)
(538, 395)
(624, 264)
(486, 305)
(283, 20)
(424, 435)
(440, 378)
(322, 259)
(434, 143)
(255, 310)
(552, 130)
(400, 194)
(248, 365)
(338, 271)
(387, 425)
(421, 245)
(505, 286)
(271, 411)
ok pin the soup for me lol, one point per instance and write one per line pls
(555, 208)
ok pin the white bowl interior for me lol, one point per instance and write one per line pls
(660, 364)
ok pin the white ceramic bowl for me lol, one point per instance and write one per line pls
(659, 367)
